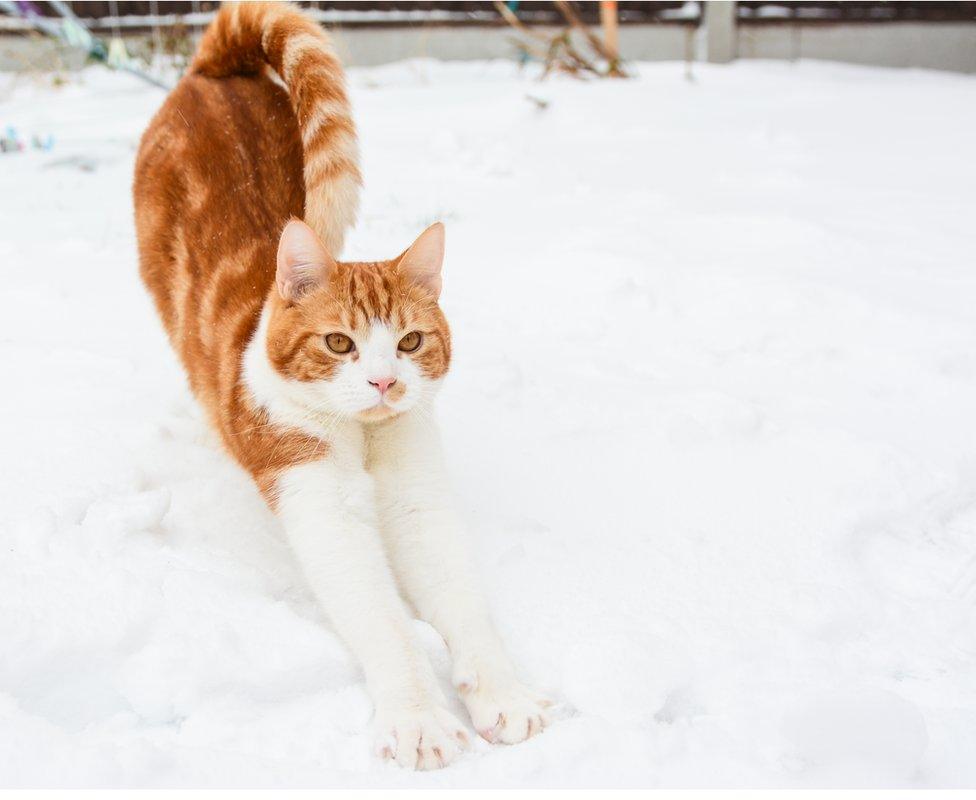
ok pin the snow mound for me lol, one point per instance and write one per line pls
(710, 420)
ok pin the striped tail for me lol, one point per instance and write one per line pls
(246, 38)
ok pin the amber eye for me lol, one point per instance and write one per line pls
(410, 342)
(339, 343)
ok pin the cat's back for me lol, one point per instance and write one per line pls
(218, 173)
(214, 136)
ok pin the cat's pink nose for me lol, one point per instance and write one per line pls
(383, 384)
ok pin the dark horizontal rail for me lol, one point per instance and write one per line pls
(760, 12)
(129, 14)
(481, 11)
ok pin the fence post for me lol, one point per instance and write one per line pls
(720, 38)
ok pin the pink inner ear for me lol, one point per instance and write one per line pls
(421, 263)
(303, 262)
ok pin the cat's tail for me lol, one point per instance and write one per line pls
(246, 38)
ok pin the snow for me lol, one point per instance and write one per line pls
(710, 423)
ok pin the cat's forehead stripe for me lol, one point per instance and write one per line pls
(371, 293)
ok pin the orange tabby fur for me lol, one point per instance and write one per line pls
(229, 158)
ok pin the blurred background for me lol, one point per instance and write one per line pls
(937, 35)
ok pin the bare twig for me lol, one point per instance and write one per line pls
(560, 52)
(509, 16)
(614, 70)
(567, 10)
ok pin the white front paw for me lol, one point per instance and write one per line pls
(420, 738)
(501, 707)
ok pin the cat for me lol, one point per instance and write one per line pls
(319, 374)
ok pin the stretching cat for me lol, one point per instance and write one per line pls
(319, 374)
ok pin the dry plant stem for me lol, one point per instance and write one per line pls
(560, 54)
(563, 57)
(509, 16)
(613, 60)
(567, 10)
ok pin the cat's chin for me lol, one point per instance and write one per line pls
(377, 413)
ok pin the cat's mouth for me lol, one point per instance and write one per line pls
(386, 403)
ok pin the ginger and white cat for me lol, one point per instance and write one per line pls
(319, 374)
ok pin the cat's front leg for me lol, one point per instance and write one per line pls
(328, 509)
(422, 535)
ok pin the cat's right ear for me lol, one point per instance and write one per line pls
(303, 262)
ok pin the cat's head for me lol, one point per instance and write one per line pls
(358, 340)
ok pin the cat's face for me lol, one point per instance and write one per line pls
(358, 340)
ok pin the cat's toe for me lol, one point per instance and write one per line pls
(427, 739)
(506, 714)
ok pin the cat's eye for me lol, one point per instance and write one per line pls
(410, 342)
(339, 343)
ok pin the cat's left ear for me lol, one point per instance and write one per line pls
(421, 263)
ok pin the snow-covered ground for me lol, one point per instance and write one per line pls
(711, 421)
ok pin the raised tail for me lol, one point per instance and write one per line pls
(245, 39)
